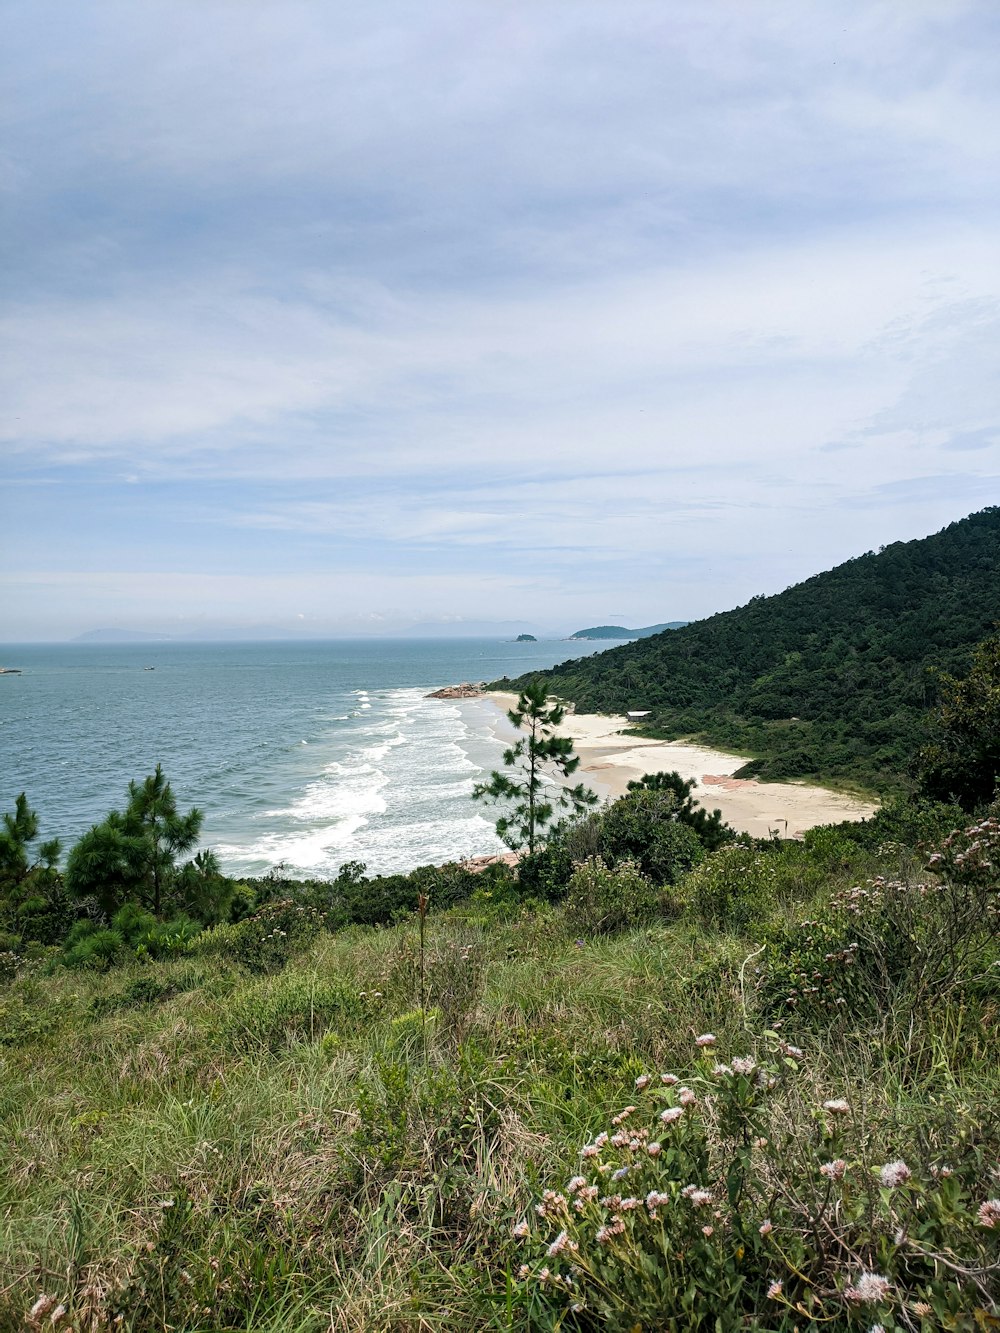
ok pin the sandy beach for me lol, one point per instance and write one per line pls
(611, 756)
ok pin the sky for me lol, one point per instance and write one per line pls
(336, 318)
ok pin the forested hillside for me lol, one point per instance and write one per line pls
(831, 678)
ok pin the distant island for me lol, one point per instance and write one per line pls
(525, 638)
(620, 632)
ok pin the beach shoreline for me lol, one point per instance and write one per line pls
(611, 756)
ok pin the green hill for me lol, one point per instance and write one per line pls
(620, 632)
(829, 679)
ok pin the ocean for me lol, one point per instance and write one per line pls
(302, 754)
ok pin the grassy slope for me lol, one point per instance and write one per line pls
(830, 678)
(292, 1152)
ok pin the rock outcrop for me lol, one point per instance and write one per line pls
(464, 691)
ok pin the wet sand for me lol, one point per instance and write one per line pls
(611, 756)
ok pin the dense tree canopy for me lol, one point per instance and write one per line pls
(831, 677)
(962, 761)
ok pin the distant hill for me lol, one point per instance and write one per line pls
(620, 632)
(831, 678)
(120, 636)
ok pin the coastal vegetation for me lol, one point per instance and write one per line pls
(655, 1074)
(831, 679)
(524, 788)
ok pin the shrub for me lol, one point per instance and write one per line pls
(91, 946)
(700, 1208)
(733, 887)
(601, 899)
(265, 941)
(642, 827)
(889, 938)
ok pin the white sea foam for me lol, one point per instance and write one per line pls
(395, 793)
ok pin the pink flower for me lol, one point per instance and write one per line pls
(868, 1289)
(834, 1170)
(765, 1227)
(671, 1114)
(837, 1106)
(706, 1039)
(989, 1213)
(775, 1291)
(654, 1149)
(894, 1174)
(669, 1080)
(643, 1081)
(686, 1097)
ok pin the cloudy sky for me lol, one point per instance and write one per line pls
(340, 316)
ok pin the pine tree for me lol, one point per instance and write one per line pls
(537, 750)
(130, 856)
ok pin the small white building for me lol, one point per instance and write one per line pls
(637, 717)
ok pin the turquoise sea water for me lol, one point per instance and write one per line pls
(311, 754)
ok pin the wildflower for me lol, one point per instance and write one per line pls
(744, 1064)
(877, 1328)
(57, 1314)
(669, 1080)
(699, 1198)
(623, 1115)
(922, 1309)
(837, 1106)
(775, 1291)
(41, 1307)
(621, 1173)
(795, 1052)
(561, 1242)
(520, 1231)
(989, 1214)
(760, 1143)
(686, 1097)
(608, 1232)
(544, 1276)
(654, 1149)
(523, 1272)
(643, 1081)
(575, 1184)
(894, 1174)
(577, 1307)
(707, 1231)
(834, 1170)
(868, 1289)
(766, 1227)
(551, 1203)
(628, 1205)
(721, 1071)
(707, 1039)
(590, 1150)
(671, 1114)
(601, 1139)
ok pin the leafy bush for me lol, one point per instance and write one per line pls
(700, 1208)
(712, 832)
(601, 899)
(733, 887)
(265, 941)
(890, 938)
(643, 827)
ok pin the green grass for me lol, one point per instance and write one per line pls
(195, 1147)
